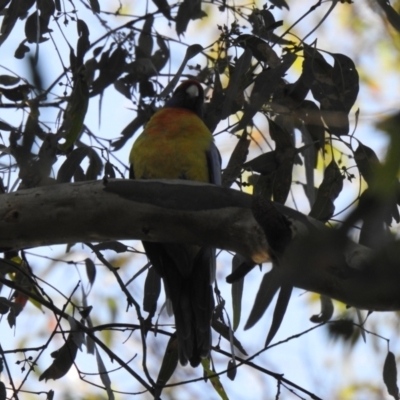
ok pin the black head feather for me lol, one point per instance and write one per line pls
(190, 95)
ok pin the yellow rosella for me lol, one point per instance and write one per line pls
(176, 144)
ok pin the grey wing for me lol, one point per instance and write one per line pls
(214, 164)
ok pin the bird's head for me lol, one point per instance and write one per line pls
(190, 95)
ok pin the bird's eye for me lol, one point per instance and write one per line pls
(193, 91)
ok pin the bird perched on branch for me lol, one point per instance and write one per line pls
(176, 144)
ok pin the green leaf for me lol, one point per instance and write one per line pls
(215, 381)
(75, 113)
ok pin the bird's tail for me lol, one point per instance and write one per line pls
(193, 310)
(187, 272)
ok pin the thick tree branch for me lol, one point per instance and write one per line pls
(169, 211)
(318, 258)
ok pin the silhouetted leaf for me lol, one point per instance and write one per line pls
(329, 190)
(310, 114)
(191, 52)
(260, 49)
(146, 89)
(90, 270)
(224, 331)
(32, 128)
(336, 88)
(237, 292)
(79, 175)
(375, 232)
(152, 289)
(8, 80)
(345, 78)
(264, 164)
(263, 23)
(3, 5)
(22, 49)
(63, 360)
(285, 153)
(370, 169)
(270, 284)
(232, 370)
(391, 14)
(213, 109)
(83, 41)
(46, 8)
(109, 170)
(141, 118)
(145, 42)
(118, 247)
(5, 305)
(367, 162)
(308, 152)
(5, 127)
(18, 93)
(161, 56)
(280, 4)
(234, 86)
(164, 8)
(390, 375)
(95, 166)
(235, 164)
(94, 5)
(276, 226)
(111, 66)
(188, 10)
(168, 365)
(70, 165)
(279, 312)
(17, 9)
(105, 378)
(264, 87)
(35, 27)
(3, 391)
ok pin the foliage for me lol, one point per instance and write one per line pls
(266, 87)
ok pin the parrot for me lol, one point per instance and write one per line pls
(177, 144)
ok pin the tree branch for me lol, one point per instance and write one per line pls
(317, 258)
